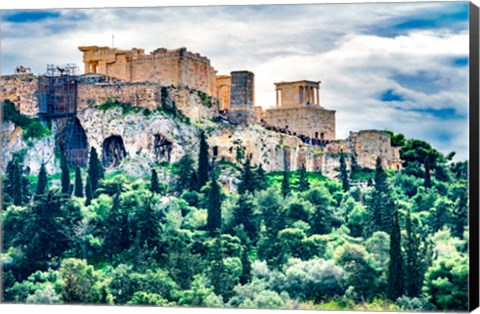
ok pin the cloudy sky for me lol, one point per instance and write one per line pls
(402, 66)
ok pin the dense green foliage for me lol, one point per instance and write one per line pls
(65, 175)
(290, 239)
(32, 127)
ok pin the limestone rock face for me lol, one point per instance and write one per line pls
(34, 152)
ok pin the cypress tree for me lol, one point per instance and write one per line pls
(78, 192)
(214, 213)
(243, 215)
(285, 183)
(427, 182)
(95, 169)
(344, 173)
(65, 175)
(246, 275)
(395, 267)
(413, 265)
(246, 179)
(202, 176)
(217, 266)
(154, 185)
(381, 204)
(42, 184)
(260, 178)
(186, 176)
(88, 192)
(16, 186)
(303, 184)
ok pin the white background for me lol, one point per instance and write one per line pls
(28, 4)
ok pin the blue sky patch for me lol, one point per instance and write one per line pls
(391, 95)
(460, 62)
(29, 16)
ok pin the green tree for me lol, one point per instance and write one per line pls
(78, 192)
(243, 215)
(95, 169)
(303, 184)
(88, 191)
(186, 176)
(260, 178)
(380, 205)
(321, 218)
(217, 273)
(80, 283)
(395, 287)
(65, 175)
(344, 177)
(427, 183)
(42, 184)
(202, 176)
(14, 183)
(285, 183)
(154, 186)
(246, 178)
(446, 283)
(246, 267)
(214, 212)
(413, 264)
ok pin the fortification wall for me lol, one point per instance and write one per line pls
(21, 89)
(166, 67)
(310, 121)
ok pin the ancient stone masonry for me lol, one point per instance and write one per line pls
(242, 97)
(224, 85)
(21, 89)
(166, 67)
(298, 110)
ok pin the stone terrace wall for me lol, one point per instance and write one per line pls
(370, 144)
(303, 120)
(21, 89)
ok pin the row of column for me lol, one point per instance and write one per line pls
(311, 94)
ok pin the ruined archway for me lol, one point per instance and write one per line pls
(162, 148)
(113, 151)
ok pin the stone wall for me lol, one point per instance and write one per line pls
(370, 144)
(21, 89)
(224, 85)
(242, 94)
(166, 67)
(146, 95)
(312, 121)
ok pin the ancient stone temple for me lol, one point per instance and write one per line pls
(298, 110)
(162, 66)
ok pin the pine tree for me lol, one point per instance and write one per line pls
(427, 183)
(395, 267)
(303, 184)
(413, 265)
(214, 212)
(42, 184)
(285, 183)
(246, 179)
(344, 173)
(88, 192)
(154, 185)
(65, 175)
(95, 169)
(186, 176)
(202, 176)
(78, 192)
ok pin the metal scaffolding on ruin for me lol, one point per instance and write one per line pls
(57, 99)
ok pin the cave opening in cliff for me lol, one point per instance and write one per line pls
(113, 151)
(72, 141)
(162, 148)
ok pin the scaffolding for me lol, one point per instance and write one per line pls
(57, 91)
(57, 99)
